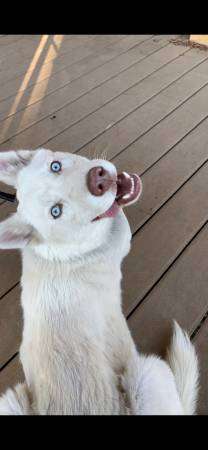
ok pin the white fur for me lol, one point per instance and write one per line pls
(16, 402)
(77, 353)
(183, 361)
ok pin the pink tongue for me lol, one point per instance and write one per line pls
(111, 212)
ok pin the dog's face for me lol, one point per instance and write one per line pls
(64, 200)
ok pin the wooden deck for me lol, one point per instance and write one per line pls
(147, 99)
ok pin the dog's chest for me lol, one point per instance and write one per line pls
(66, 355)
(71, 373)
(65, 352)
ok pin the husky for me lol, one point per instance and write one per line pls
(77, 352)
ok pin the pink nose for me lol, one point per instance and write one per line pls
(99, 180)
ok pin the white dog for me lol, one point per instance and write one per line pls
(77, 353)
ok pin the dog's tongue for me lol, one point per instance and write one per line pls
(129, 188)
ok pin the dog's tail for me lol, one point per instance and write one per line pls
(183, 361)
(15, 402)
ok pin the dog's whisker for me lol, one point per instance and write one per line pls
(90, 153)
(94, 152)
(105, 152)
(103, 155)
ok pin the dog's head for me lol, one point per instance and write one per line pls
(65, 201)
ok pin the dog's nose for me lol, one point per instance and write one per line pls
(99, 180)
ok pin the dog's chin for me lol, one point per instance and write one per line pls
(129, 189)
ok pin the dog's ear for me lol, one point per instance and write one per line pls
(11, 163)
(14, 233)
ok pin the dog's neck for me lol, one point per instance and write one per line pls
(98, 267)
(111, 245)
(84, 244)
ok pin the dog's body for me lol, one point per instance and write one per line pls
(77, 353)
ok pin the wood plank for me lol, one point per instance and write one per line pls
(10, 325)
(26, 48)
(181, 294)
(163, 179)
(10, 39)
(200, 341)
(75, 64)
(156, 97)
(44, 53)
(18, 45)
(60, 83)
(9, 259)
(95, 123)
(61, 60)
(151, 146)
(45, 45)
(11, 375)
(73, 91)
(163, 237)
(5, 188)
(166, 90)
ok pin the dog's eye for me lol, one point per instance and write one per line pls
(56, 166)
(56, 210)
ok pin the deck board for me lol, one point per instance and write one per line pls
(21, 45)
(66, 93)
(98, 118)
(149, 102)
(43, 54)
(181, 294)
(60, 102)
(10, 39)
(11, 325)
(166, 135)
(75, 64)
(146, 100)
(11, 374)
(139, 100)
(9, 260)
(43, 47)
(160, 181)
(164, 236)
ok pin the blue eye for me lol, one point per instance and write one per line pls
(56, 166)
(56, 210)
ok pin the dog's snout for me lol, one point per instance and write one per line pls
(99, 180)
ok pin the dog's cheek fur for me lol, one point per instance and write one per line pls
(14, 233)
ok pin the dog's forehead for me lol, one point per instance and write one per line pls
(37, 180)
(45, 156)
